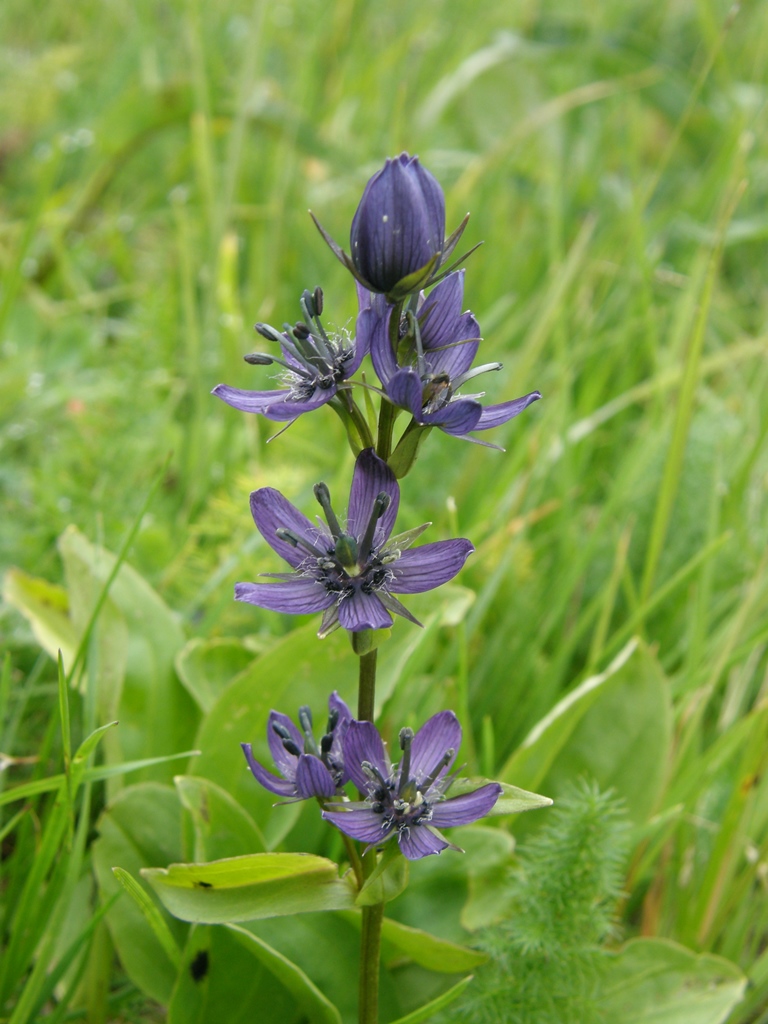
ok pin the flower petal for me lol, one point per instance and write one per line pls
(461, 349)
(464, 809)
(313, 778)
(420, 841)
(438, 735)
(440, 311)
(361, 611)
(457, 417)
(301, 596)
(429, 566)
(280, 787)
(289, 408)
(248, 401)
(495, 415)
(373, 330)
(271, 511)
(405, 389)
(285, 762)
(372, 476)
(362, 742)
(364, 824)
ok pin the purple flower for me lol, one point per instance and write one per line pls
(408, 799)
(314, 365)
(350, 573)
(398, 232)
(433, 360)
(308, 768)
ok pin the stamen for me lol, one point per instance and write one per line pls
(323, 496)
(380, 506)
(406, 740)
(269, 333)
(258, 359)
(281, 731)
(305, 721)
(298, 542)
(318, 297)
(325, 744)
(445, 760)
(291, 747)
(374, 774)
(413, 326)
(333, 720)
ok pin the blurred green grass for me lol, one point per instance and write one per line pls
(157, 161)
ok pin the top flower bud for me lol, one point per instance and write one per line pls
(397, 237)
(398, 231)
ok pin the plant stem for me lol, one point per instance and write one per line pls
(366, 692)
(370, 936)
(370, 949)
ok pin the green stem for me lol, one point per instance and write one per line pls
(370, 936)
(370, 950)
(366, 693)
(387, 415)
(360, 422)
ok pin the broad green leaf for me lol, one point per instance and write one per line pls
(488, 853)
(429, 1009)
(655, 981)
(45, 606)
(428, 950)
(151, 914)
(308, 996)
(220, 980)
(387, 880)
(251, 887)
(222, 827)
(529, 765)
(512, 800)
(615, 728)
(141, 826)
(207, 667)
(154, 709)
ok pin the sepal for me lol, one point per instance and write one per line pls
(512, 800)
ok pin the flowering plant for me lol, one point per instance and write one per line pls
(353, 568)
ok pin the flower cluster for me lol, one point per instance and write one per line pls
(407, 799)
(421, 345)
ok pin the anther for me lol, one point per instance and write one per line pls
(258, 359)
(326, 742)
(380, 506)
(305, 718)
(333, 720)
(291, 747)
(301, 331)
(323, 496)
(318, 297)
(373, 773)
(281, 731)
(291, 538)
(268, 332)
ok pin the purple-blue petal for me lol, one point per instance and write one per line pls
(313, 778)
(248, 401)
(424, 568)
(362, 742)
(300, 596)
(361, 611)
(461, 349)
(495, 415)
(405, 389)
(420, 841)
(375, 324)
(280, 787)
(438, 735)
(285, 762)
(457, 417)
(271, 511)
(285, 409)
(336, 753)
(362, 824)
(464, 809)
(372, 476)
(440, 311)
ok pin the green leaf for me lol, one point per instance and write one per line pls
(251, 887)
(512, 800)
(220, 980)
(533, 759)
(430, 1008)
(151, 914)
(313, 1003)
(45, 606)
(222, 827)
(387, 880)
(137, 630)
(428, 950)
(206, 667)
(141, 826)
(655, 981)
